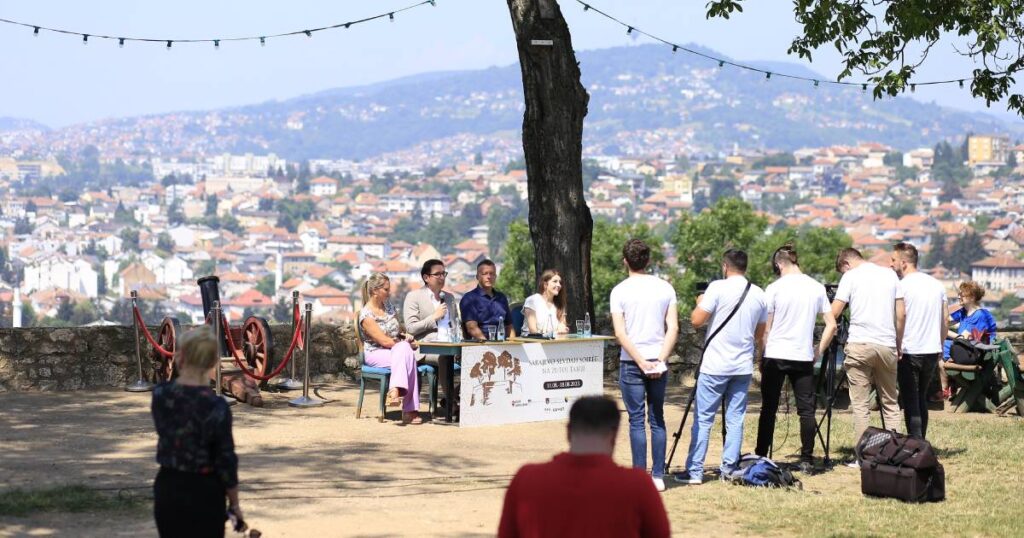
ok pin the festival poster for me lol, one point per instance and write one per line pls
(510, 383)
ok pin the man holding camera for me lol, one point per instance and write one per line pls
(927, 315)
(876, 333)
(734, 311)
(794, 302)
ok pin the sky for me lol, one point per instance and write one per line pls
(58, 81)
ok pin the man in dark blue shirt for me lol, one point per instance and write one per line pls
(485, 305)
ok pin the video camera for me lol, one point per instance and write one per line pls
(830, 291)
(700, 287)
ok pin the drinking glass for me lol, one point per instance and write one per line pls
(579, 327)
(492, 332)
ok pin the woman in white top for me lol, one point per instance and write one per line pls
(546, 308)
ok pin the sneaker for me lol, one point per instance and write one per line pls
(659, 483)
(853, 464)
(684, 478)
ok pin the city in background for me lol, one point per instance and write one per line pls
(311, 195)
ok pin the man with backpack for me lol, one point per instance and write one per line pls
(735, 313)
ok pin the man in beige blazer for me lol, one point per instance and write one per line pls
(430, 314)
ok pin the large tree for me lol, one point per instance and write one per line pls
(887, 40)
(556, 103)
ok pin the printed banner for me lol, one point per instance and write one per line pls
(509, 383)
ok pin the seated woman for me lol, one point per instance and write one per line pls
(385, 346)
(195, 448)
(544, 311)
(971, 320)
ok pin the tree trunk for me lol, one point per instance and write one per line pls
(556, 103)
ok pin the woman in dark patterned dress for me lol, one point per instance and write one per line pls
(195, 450)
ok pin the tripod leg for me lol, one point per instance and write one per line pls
(723, 422)
(679, 432)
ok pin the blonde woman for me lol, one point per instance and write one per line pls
(195, 448)
(386, 346)
(544, 311)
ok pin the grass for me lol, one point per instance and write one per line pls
(983, 460)
(71, 498)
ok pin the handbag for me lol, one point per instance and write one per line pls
(964, 351)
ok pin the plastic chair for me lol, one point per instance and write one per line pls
(383, 377)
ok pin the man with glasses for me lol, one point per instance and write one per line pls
(430, 313)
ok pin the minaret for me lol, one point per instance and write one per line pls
(16, 318)
(278, 274)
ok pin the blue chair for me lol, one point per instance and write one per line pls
(383, 376)
(517, 316)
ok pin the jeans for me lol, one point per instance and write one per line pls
(712, 390)
(914, 374)
(636, 388)
(801, 377)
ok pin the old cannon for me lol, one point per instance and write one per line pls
(249, 345)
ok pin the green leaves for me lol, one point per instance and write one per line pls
(887, 40)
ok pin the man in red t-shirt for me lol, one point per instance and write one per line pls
(583, 492)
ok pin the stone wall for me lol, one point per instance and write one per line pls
(104, 357)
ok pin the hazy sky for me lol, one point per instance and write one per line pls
(56, 80)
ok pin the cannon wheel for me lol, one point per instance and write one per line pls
(257, 344)
(167, 337)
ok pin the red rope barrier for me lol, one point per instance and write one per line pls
(298, 321)
(280, 367)
(145, 332)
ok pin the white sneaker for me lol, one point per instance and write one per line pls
(684, 478)
(853, 464)
(659, 483)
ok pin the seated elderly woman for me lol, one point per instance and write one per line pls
(386, 346)
(971, 321)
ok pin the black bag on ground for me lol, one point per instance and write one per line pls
(894, 465)
(963, 351)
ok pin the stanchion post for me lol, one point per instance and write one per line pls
(140, 384)
(290, 383)
(215, 313)
(305, 400)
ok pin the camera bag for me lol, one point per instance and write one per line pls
(894, 465)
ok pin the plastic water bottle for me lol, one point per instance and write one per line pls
(586, 325)
(455, 327)
(550, 333)
(501, 328)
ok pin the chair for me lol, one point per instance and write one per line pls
(383, 377)
(517, 316)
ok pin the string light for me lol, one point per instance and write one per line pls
(768, 75)
(308, 32)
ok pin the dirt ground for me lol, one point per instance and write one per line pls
(306, 472)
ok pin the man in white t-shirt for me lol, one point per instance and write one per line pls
(927, 313)
(795, 301)
(646, 324)
(728, 361)
(876, 332)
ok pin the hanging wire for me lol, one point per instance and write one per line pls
(633, 31)
(308, 32)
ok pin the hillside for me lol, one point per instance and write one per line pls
(633, 89)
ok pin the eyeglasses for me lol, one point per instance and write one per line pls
(442, 275)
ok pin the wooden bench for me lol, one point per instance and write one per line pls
(980, 384)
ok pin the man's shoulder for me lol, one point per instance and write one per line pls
(417, 294)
